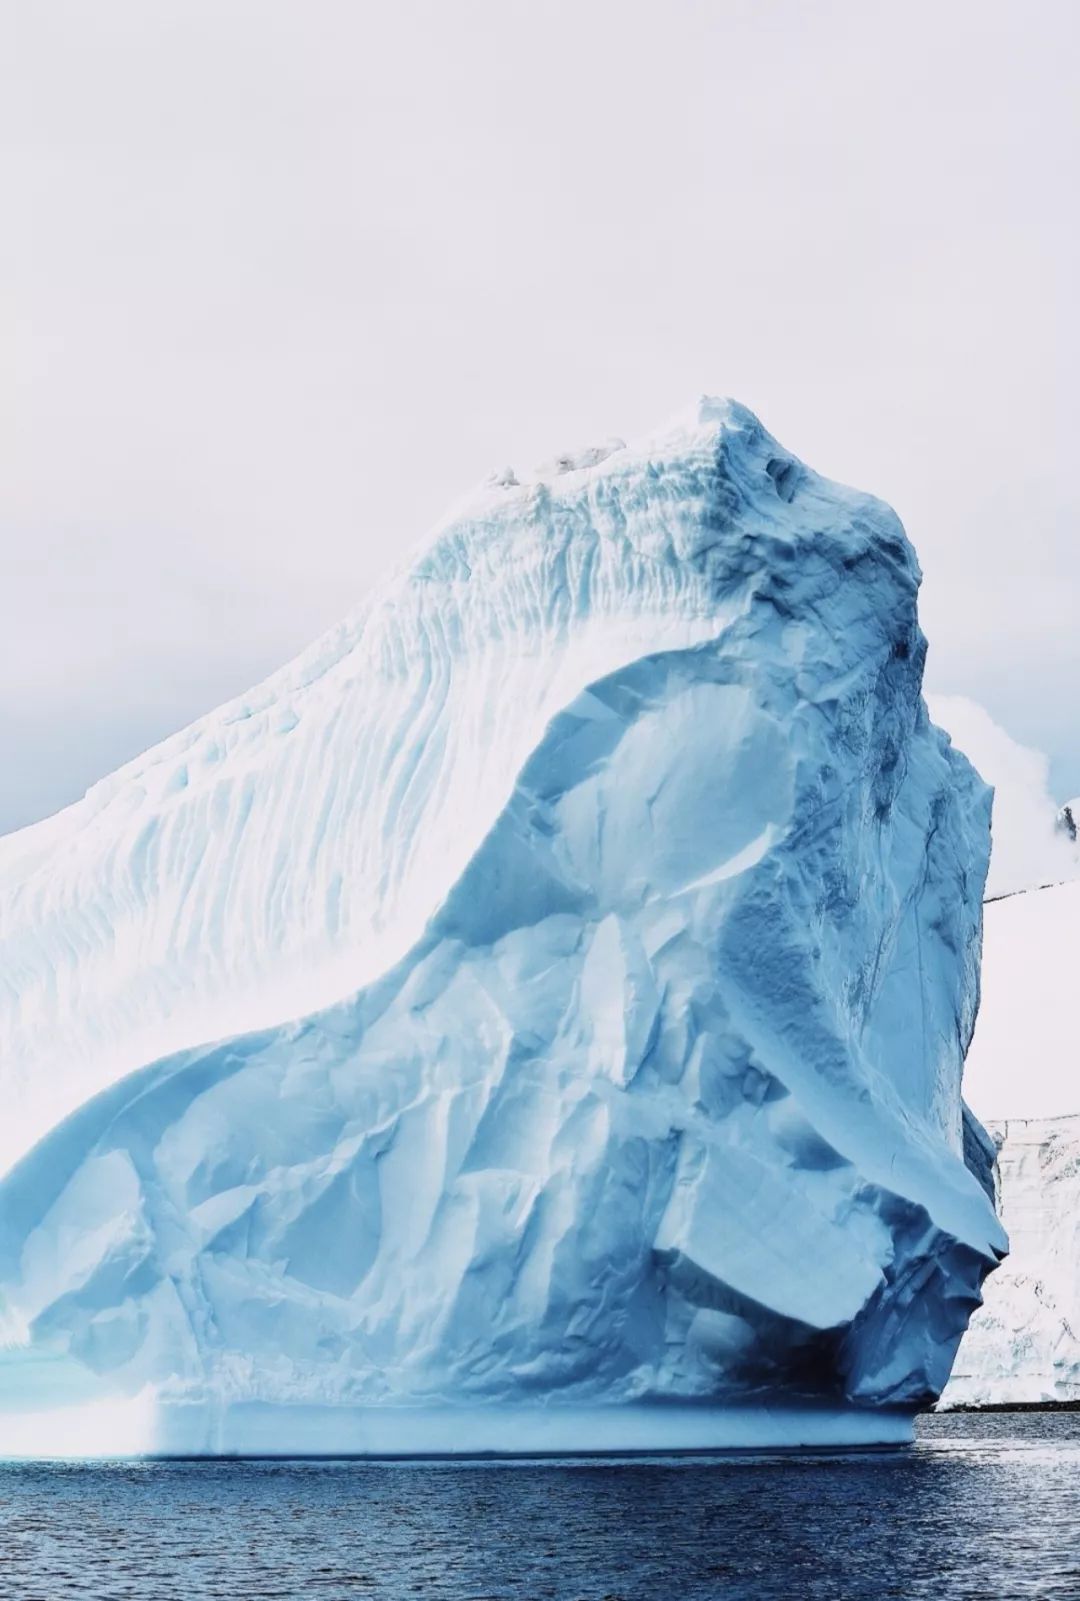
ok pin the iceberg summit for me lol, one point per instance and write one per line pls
(533, 1020)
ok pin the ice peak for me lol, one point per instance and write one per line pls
(709, 416)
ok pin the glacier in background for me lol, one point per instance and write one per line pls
(1023, 1344)
(532, 1019)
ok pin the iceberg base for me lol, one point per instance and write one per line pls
(143, 1427)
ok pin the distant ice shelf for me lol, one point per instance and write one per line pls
(537, 1014)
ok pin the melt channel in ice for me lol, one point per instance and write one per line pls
(533, 1019)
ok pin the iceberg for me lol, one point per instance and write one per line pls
(533, 1019)
(1023, 1345)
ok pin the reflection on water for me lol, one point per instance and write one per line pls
(982, 1506)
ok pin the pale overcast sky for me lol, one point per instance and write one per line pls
(278, 280)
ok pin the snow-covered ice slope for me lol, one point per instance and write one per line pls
(292, 846)
(1024, 1343)
(1033, 837)
(596, 919)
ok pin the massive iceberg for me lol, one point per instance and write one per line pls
(534, 1019)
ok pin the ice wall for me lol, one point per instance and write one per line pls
(1024, 1343)
(595, 919)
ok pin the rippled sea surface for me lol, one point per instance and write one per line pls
(982, 1506)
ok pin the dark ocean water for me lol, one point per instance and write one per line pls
(982, 1506)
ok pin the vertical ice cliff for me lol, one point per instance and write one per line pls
(534, 1017)
(1023, 1345)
